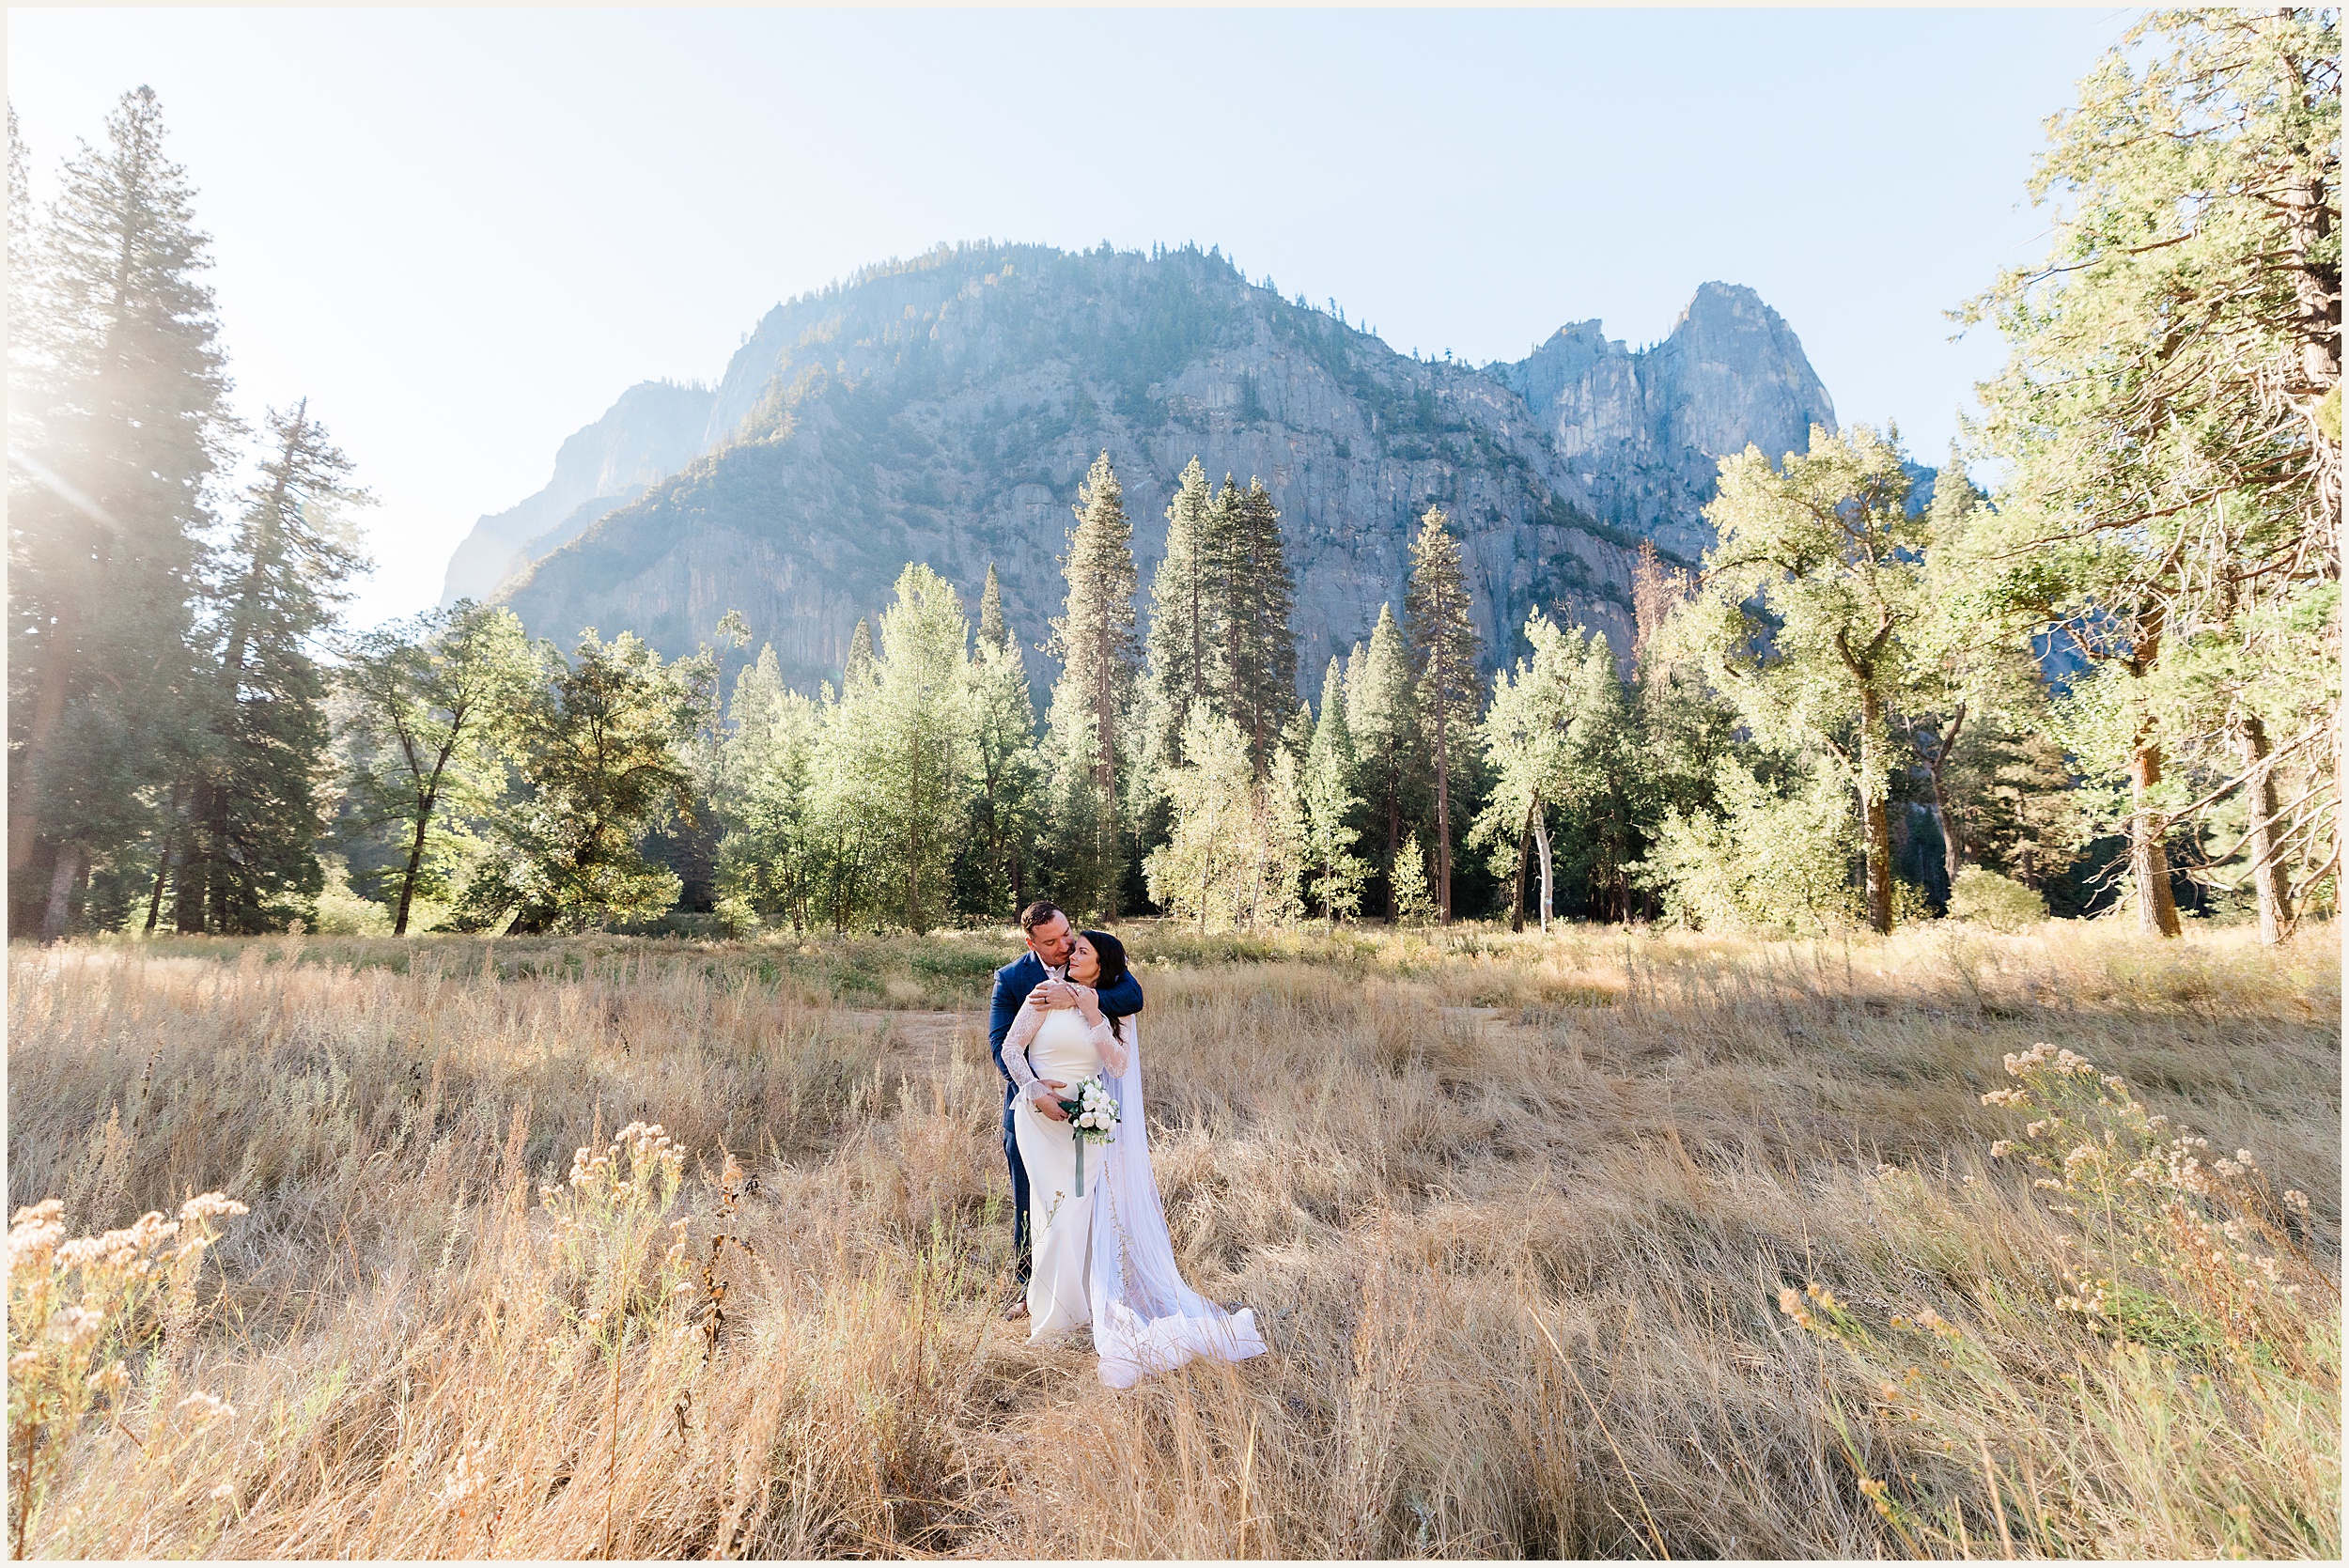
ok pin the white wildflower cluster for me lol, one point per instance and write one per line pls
(611, 1221)
(2201, 1220)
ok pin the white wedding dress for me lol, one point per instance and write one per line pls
(1107, 1258)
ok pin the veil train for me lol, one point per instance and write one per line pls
(1145, 1319)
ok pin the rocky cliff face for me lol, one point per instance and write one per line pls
(656, 429)
(1645, 431)
(943, 410)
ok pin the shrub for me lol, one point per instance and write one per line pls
(342, 912)
(1767, 863)
(1986, 897)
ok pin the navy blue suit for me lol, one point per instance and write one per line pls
(1013, 983)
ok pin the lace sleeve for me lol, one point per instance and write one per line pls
(1112, 1049)
(1023, 1028)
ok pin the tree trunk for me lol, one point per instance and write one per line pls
(162, 873)
(1541, 841)
(1952, 853)
(216, 867)
(2149, 862)
(415, 863)
(2267, 871)
(61, 884)
(1105, 737)
(1953, 848)
(48, 707)
(1394, 834)
(1516, 887)
(1444, 826)
(1875, 819)
(189, 887)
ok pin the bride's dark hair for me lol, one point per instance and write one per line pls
(1112, 955)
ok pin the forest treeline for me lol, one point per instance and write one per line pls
(2114, 680)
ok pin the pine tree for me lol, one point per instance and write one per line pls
(1383, 714)
(1260, 649)
(1007, 810)
(1330, 805)
(2170, 426)
(118, 415)
(1444, 647)
(858, 671)
(1414, 904)
(768, 859)
(255, 816)
(1182, 639)
(912, 742)
(1095, 641)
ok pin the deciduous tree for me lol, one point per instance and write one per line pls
(1811, 600)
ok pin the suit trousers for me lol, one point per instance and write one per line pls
(1022, 1245)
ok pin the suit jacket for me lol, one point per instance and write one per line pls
(1013, 983)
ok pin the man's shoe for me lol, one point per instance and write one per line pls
(1017, 1310)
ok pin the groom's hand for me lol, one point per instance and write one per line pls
(1055, 993)
(1045, 1091)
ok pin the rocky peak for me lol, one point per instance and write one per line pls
(1644, 431)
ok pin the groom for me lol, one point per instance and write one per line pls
(1043, 969)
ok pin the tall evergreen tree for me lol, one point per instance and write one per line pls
(1093, 638)
(1260, 649)
(1445, 649)
(2169, 421)
(1382, 715)
(858, 671)
(1182, 638)
(1334, 873)
(255, 814)
(912, 739)
(116, 380)
(1008, 803)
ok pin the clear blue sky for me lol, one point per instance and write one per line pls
(462, 233)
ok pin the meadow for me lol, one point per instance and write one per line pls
(1609, 1242)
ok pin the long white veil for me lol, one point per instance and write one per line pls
(1145, 1319)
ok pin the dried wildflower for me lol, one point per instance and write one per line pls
(2295, 1200)
(204, 1207)
(2001, 1148)
(207, 1408)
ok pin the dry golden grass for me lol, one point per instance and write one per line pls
(1516, 1212)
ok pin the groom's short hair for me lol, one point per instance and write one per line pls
(1042, 912)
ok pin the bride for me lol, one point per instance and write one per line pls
(1104, 1258)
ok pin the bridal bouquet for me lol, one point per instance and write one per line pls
(1091, 1115)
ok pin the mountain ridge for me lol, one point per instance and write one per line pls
(943, 410)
